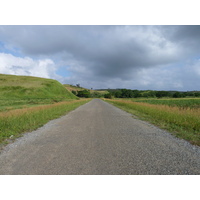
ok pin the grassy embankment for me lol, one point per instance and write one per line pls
(181, 116)
(27, 103)
(24, 91)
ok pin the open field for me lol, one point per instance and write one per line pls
(183, 121)
(179, 102)
(15, 122)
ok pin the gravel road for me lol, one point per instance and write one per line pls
(98, 138)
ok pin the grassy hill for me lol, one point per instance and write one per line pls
(75, 88)
(26, 87)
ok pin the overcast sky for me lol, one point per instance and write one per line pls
(134, 57)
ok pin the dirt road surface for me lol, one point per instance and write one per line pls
(98, 138)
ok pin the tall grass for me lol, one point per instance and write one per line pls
(11, 104)
(181, 103)
(184, 123)
(15, 122)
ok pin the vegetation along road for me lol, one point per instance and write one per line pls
(98, 138)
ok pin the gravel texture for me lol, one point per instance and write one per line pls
(98, 138)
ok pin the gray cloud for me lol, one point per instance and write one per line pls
(186, 37)
(106, 53)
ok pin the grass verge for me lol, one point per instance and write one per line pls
(183, 123)
(15, 122)
(178, 102)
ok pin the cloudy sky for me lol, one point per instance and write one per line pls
(134, 57)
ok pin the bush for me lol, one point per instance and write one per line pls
(84, 93)
(74, 92)
(108, 96)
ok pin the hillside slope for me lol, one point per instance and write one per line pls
(27, 87)
(75, 88)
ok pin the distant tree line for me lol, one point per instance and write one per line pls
(127, 93)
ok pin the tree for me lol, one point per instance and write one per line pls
(84, 93)
(160, 94)
(177, 95)
(108, 96)
(96, 95)
(74, 92)
(118, 94)
(197, 94)
(136, 93)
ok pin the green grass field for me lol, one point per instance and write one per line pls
(180, 102)
(182, 121)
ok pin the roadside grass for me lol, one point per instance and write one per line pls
(180, 102)
(184, 123)
(15, 122)
(11, 104)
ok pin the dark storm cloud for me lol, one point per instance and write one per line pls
(104, 52)
(185, 33)
(46, 40)
(187, 37)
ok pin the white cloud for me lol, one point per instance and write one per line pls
(44, 68)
